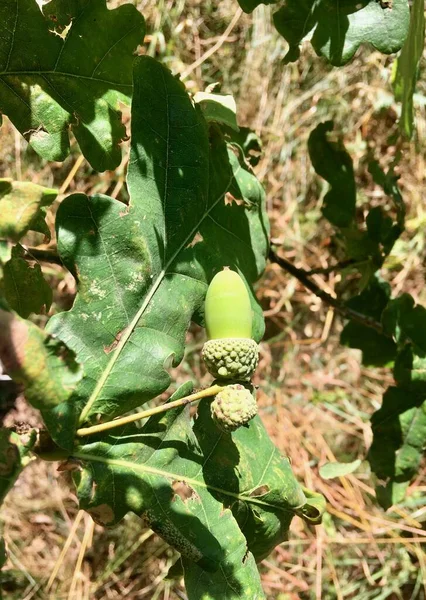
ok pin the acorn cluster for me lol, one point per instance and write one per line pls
(230, 354)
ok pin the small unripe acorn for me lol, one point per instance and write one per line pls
(230, 353)
(233, 407)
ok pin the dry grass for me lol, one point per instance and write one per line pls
(315, 397)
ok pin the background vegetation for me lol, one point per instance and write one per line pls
(315, 398)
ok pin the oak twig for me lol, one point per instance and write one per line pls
(48, 256)
(345, 311)
(211, 391)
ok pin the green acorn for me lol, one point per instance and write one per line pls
(233, 407)
(230, 352)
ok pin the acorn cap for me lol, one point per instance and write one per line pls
(231, 358)
(233, 407)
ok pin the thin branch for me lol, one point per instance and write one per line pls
(48, 256)
(344, 264)
(345, 311)
(211, 391)
(214, 48)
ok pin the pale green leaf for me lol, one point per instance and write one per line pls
(43, 364)
(337, 29)
(219, 108)
(407, 67)
(22, 208)
(331, 470)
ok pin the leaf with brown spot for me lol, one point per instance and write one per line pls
(43, 365)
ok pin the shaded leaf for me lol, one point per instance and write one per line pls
(331, 470)
(331, 161)
(50, 83)
(14, 456)
(218, 108)
(407, 66)
(410, 370)
(389, 183)
(233, 581)
(392, 493)
(399, 429)
(406, 322)
(249, 5)
(22, 208)
(336, 29)
(413, 325)
(143, 270)
(3, 553)
(25, 289)
(377, 349)
(196, 488)
(248, 143)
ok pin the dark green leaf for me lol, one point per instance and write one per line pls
(331, 161)
(25, 289)
(196, 488)
(389, 183)
(406, 322)
(337, 29)
(249, 144)
(248, 6)
(143, 270)
(410, 370)
(399, 429)
(392, 315)
(377, 349)
(3, 553)
(407, 67)
(50, 83)
(413, 325)
(14, 456)
(22, 208)
(391, 493)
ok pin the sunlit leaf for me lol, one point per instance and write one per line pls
(407, 65)
(337, 29)
(22, 208)
(143, 270)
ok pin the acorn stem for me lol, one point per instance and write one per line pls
(206, 393)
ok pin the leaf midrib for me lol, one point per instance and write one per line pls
(180, 477)
(64, 74)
